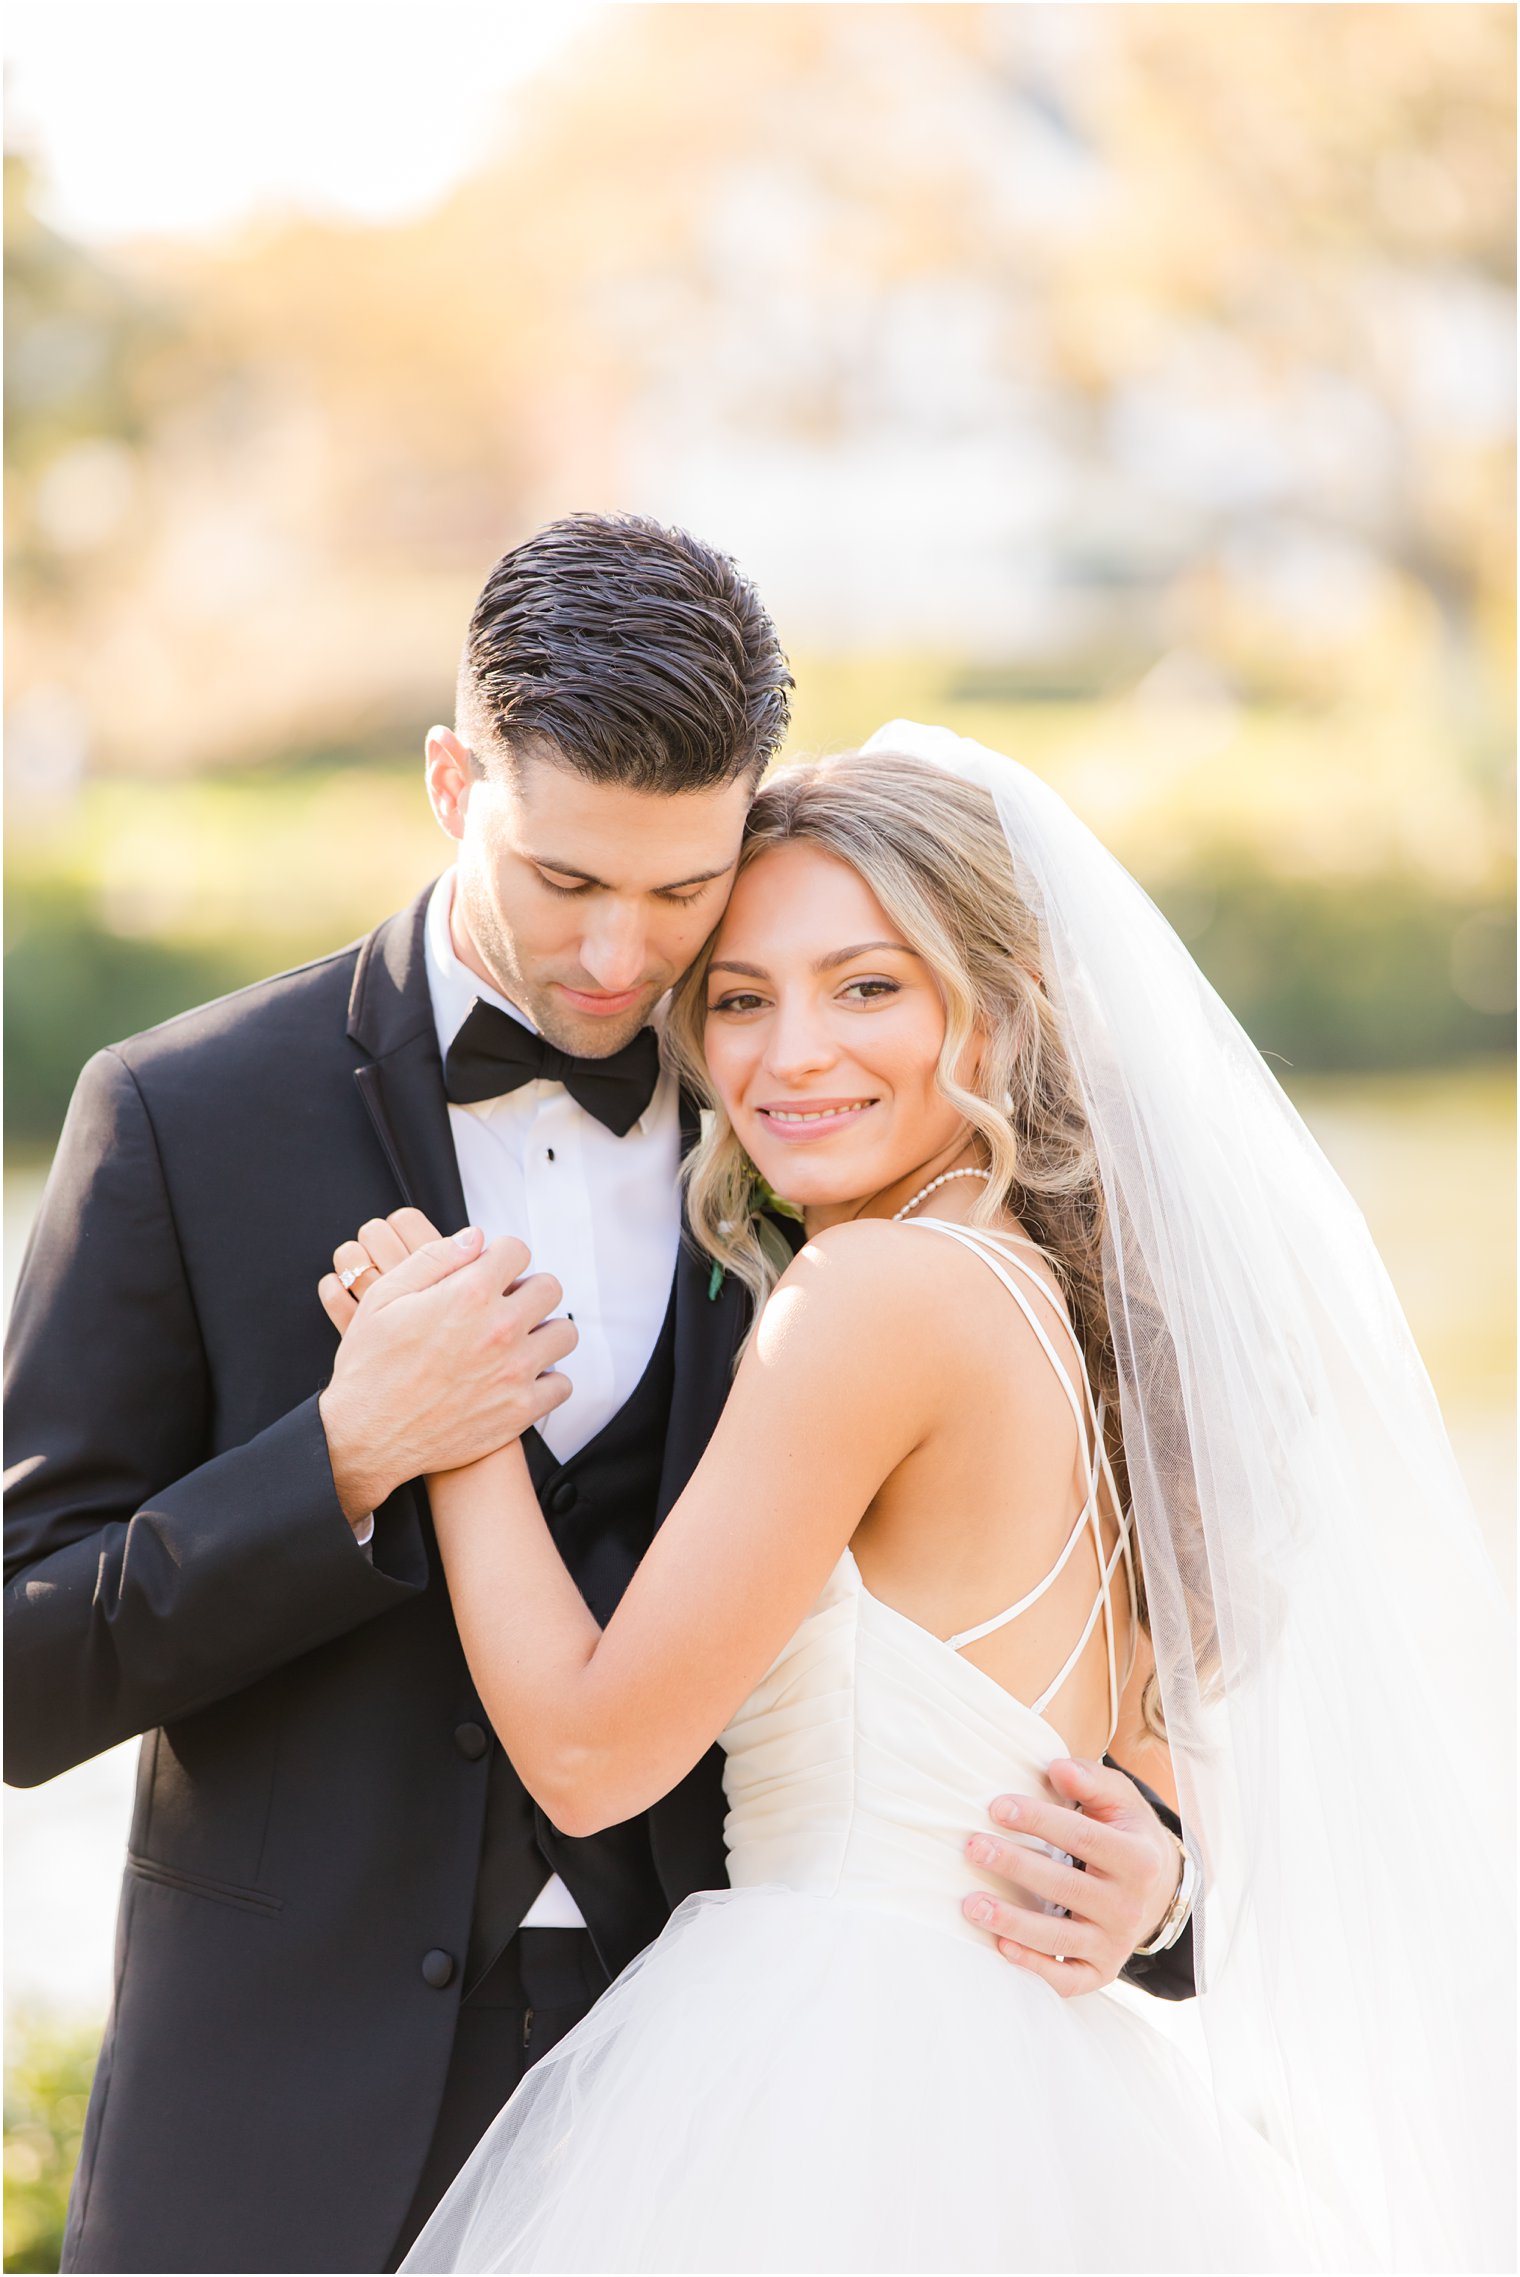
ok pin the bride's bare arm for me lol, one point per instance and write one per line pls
(839, 1384)
(600, 1725)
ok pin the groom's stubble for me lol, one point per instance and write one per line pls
(631, 925)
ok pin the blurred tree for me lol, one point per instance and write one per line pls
(1067, 337)
(91, 368)
(84, 340)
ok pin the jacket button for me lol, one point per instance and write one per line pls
(437, 1968)
(471, 1741)
(563, 1499)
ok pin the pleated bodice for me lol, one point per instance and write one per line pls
(865, 1757)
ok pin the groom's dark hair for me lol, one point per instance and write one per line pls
(631, 653)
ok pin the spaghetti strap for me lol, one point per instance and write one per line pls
(1088, 1415)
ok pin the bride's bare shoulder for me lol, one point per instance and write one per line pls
(877, 1282)
(863, 1249)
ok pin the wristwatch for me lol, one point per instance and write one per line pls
(1180, 1911)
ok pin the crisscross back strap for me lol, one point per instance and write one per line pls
(995, 1252)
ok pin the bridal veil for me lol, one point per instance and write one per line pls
(1331, 1643)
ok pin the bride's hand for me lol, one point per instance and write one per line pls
(380, 1245)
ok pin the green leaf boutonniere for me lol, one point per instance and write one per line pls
(765, 1206)
(763, 1197)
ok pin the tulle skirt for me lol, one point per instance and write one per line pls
(790, 2082)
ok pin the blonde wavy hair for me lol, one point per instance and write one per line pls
(933, 852)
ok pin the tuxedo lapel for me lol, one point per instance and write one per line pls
(708, 1333)
(390, 1016)
(401, 1084)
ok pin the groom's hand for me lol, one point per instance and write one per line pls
(1131, 1868)
(446, 1357)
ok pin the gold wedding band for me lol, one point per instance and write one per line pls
(354, 1273)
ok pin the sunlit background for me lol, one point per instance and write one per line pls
(1132, 387)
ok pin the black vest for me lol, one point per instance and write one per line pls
(601, 1507)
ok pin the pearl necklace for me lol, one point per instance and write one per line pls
(943, 1179)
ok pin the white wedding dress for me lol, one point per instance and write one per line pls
(827, 2066)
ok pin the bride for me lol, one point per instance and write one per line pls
(1086, 1384)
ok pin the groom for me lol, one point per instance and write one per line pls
(345, 1930)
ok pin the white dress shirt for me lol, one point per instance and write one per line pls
(601, 1213)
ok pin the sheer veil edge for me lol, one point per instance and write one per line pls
(1331, 1642)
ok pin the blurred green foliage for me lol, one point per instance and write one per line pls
(1348, 975)
(47, 2084)
(228, 882)
(73, 985)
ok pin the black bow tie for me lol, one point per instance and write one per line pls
(494, 1053)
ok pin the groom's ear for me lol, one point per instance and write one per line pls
(449, 770)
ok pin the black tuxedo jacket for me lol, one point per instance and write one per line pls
(308, 1819)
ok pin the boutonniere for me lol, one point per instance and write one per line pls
(767, 1209)
(763, 1197)
(765, 1204)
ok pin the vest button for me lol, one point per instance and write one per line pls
(563, 1498)
(471, 1741)
(437, 1968)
